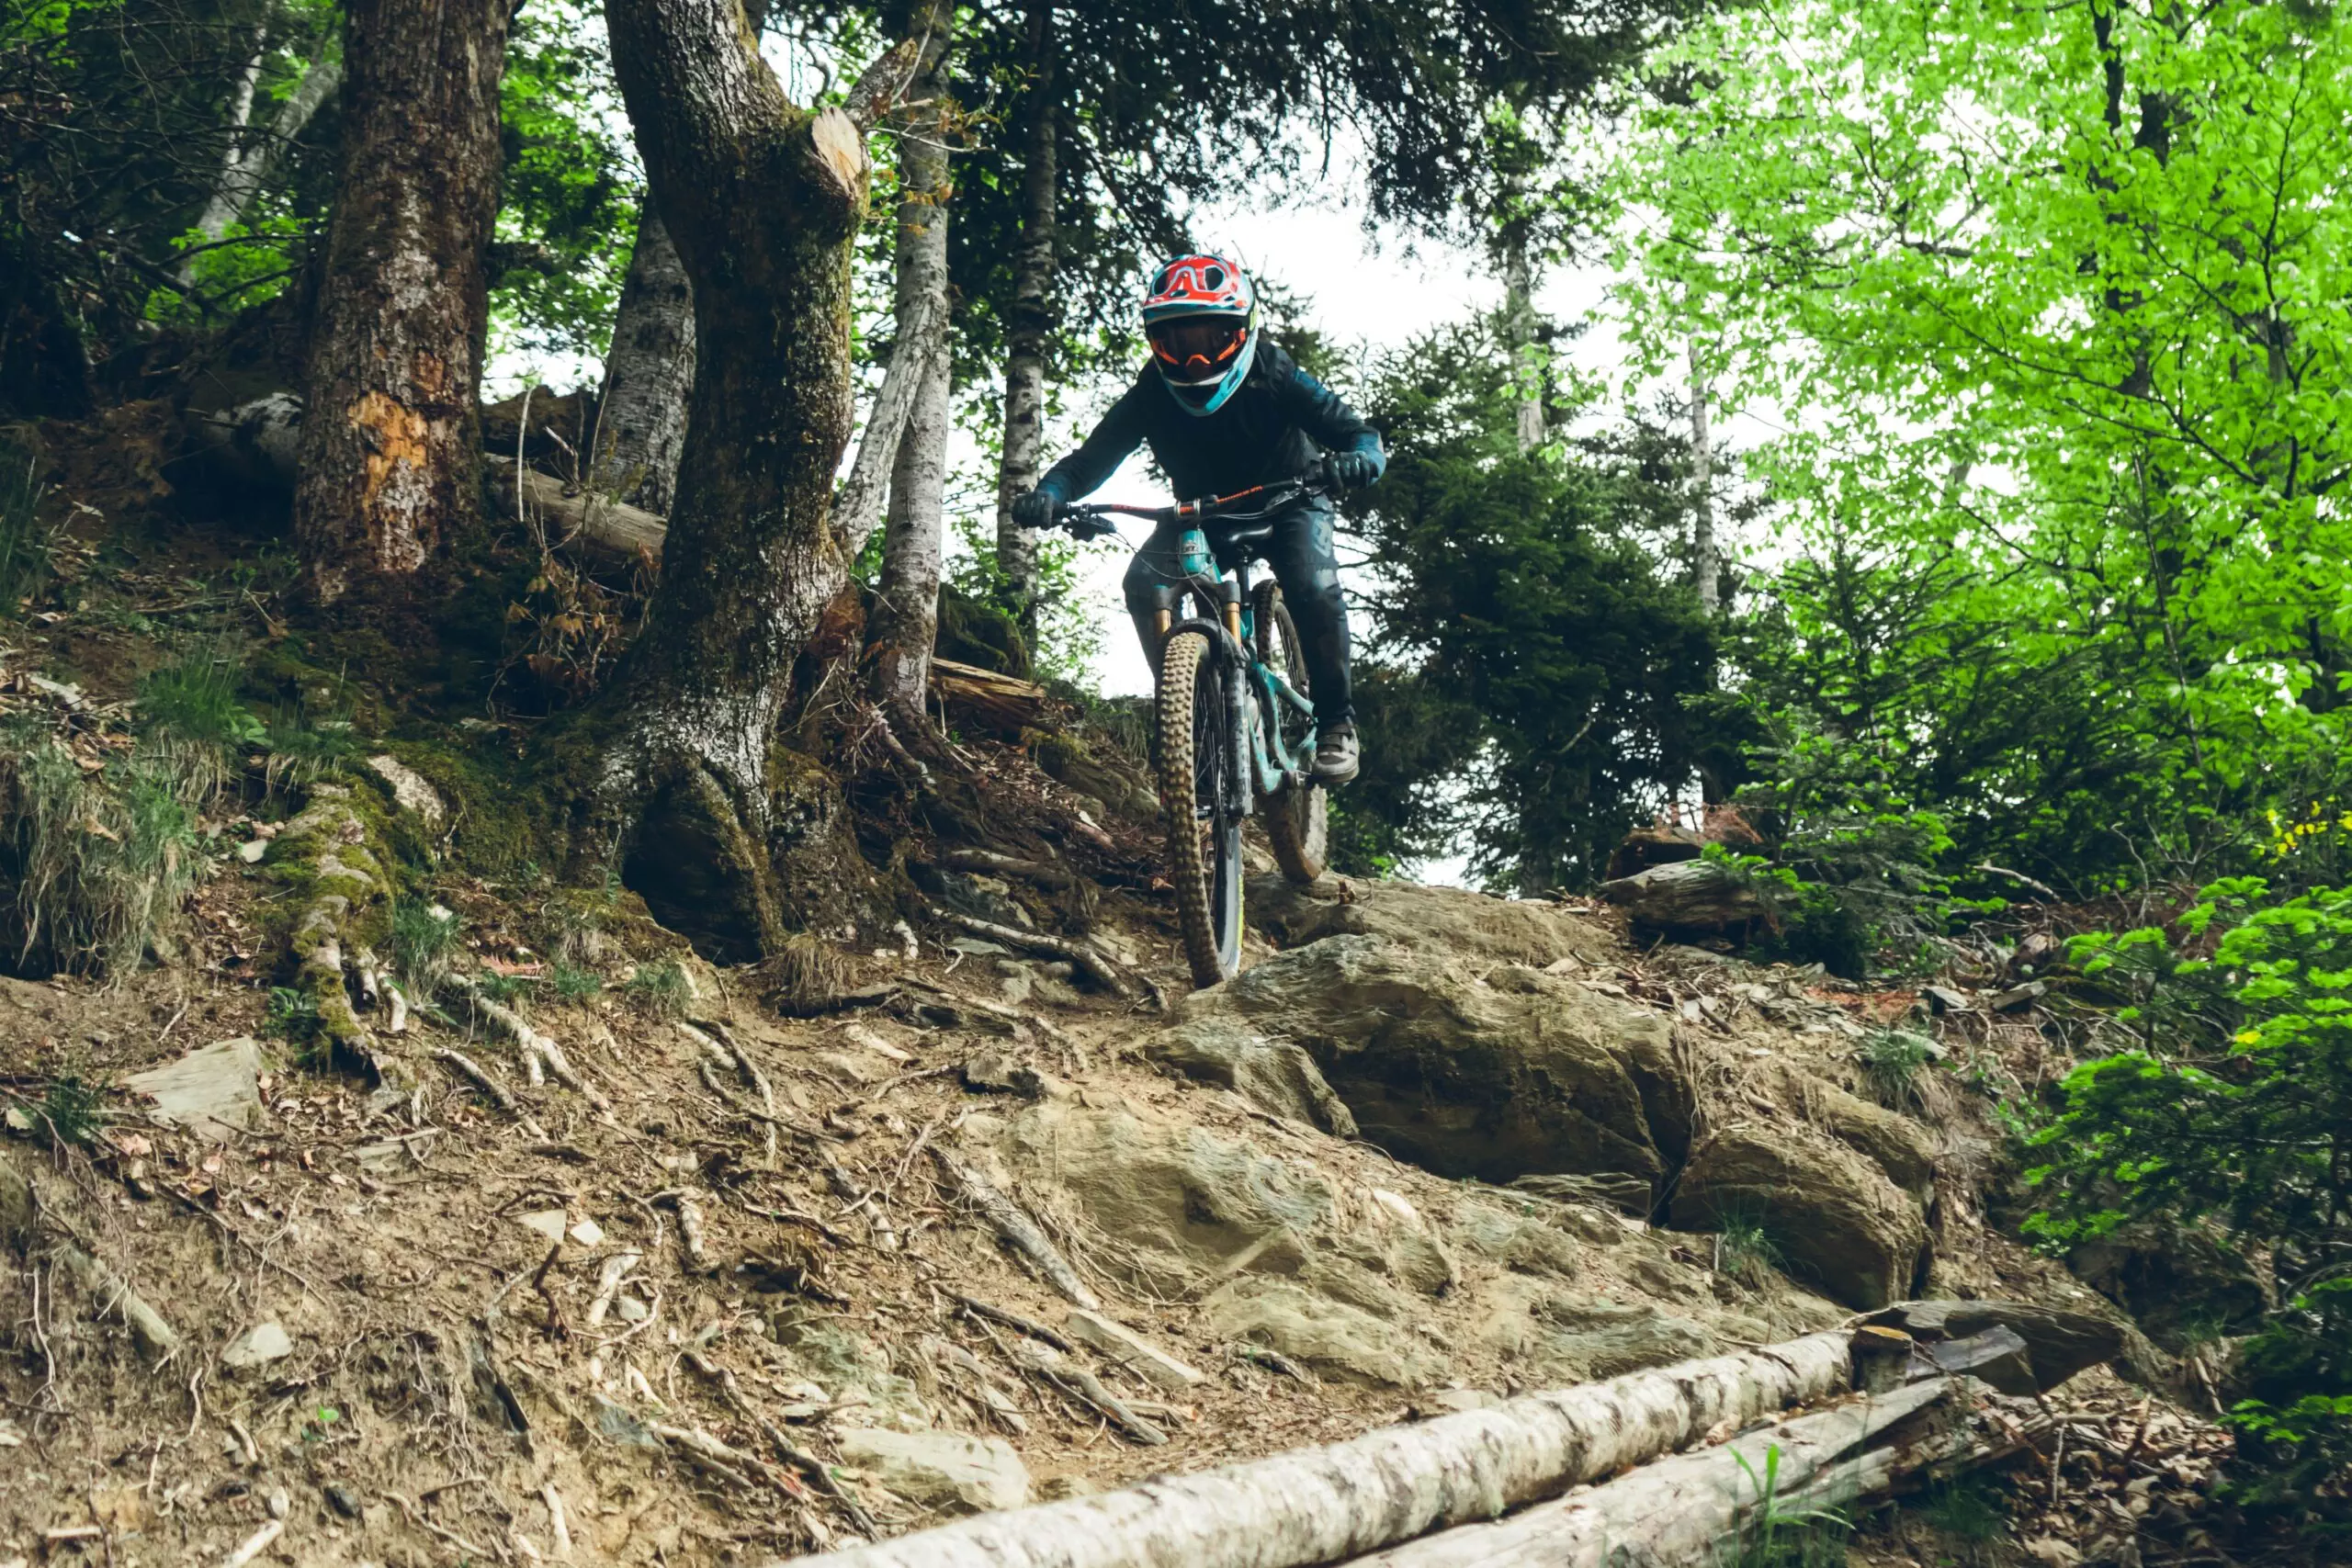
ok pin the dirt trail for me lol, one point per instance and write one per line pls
(744, 1308)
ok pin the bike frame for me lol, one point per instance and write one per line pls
(1255, 693)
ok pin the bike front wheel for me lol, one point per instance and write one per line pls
(1197, 787)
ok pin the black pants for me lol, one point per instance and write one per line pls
(1300, 552)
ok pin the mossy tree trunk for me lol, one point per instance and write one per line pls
(763, 200)
(392, 447)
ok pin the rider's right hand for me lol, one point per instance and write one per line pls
(1035, 509)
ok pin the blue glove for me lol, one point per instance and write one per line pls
(1036, 510)
(1352, 470)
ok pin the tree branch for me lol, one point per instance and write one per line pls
(878, 88)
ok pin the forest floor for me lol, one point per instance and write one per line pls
(734, 1292)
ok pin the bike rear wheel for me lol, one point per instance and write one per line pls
(1203, 835)
(1298, 816)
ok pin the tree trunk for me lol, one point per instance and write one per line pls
(391, 448)
(247, 164)
(858, 506)
(648, 374)
(1329, 1505)
(1519, 331)
(764, 200)
(1706, 565)
(1024, 371)
(906, 613)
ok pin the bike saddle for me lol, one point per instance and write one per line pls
(1249, 532)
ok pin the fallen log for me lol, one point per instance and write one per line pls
(582, 517)
(1332, 1504)
(1688, 896)
(1687, 1509)
(1004, 703)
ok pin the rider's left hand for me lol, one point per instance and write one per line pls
(1352, 470)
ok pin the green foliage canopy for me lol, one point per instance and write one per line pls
(1520, 585)
(2063, 295)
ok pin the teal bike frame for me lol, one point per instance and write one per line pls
(1256, 694)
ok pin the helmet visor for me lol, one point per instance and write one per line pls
(1197, 348)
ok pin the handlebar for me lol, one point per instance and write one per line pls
(1084, 520)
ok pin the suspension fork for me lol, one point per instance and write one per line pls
(1237, 700)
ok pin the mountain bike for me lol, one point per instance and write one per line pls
(1233, 731)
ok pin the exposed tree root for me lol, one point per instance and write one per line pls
(1017, 1228)
(1084, 954)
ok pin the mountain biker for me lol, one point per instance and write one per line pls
(1222, 412)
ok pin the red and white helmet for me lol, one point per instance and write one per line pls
(1200, 317)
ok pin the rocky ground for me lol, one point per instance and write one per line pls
(739, 1292)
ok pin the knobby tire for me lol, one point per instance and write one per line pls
(1298, 817)
(1189, 687)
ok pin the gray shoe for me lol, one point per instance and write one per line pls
(1336, 754)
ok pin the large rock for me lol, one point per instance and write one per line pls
(1275, 1075)
(2059, 1342)
(1443, 920)
(1837, 1221)
(940, 1470)
(215, 1092)
(1331, 1336)
(1496, 1077)
(1589, 1340)
(1189, 1210)
(1557, 1337)
(1898, 1145)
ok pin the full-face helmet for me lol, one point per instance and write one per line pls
(1202, 319)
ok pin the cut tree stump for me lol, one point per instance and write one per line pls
(1688, 896)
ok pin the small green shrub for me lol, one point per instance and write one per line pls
(504, 990)
(293, 1016)
(1744, 1249)
(662, 989)
(72, 1109)
(574, 985)
(1969, 1507)
(101, 861)
(26, 547)
(1775, 1535)
(1895, 1062)
(307, 744)
(424, 936)
(190, 715)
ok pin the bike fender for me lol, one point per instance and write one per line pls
(1215, 634)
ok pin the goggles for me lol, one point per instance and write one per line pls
(1197, 348)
